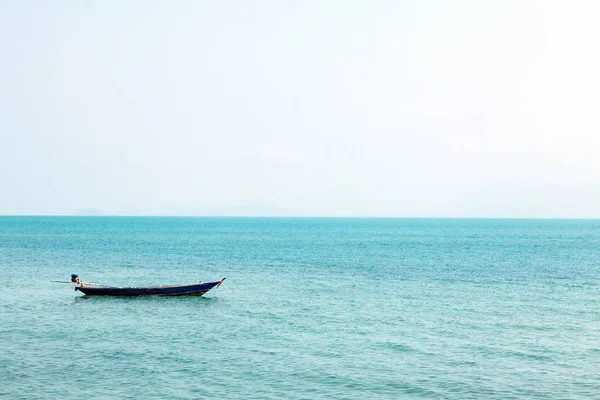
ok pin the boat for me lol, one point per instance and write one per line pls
(95, 289)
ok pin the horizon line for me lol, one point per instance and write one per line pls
(289, 216)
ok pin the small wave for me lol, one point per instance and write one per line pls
(531, 356)
(399, 347)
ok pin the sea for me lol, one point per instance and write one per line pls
(311, 308)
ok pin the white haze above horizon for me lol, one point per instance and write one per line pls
(300, 108)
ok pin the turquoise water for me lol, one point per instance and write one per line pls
(313, 308)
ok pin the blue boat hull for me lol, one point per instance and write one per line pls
(198, 289)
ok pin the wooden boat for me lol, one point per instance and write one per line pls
(198, 289)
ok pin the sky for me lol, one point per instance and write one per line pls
(376, 108)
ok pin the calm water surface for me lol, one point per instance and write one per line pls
(313, 308)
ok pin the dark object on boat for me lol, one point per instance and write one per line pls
(197, 289)
(74, 278)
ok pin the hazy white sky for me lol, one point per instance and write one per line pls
(342, 108)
